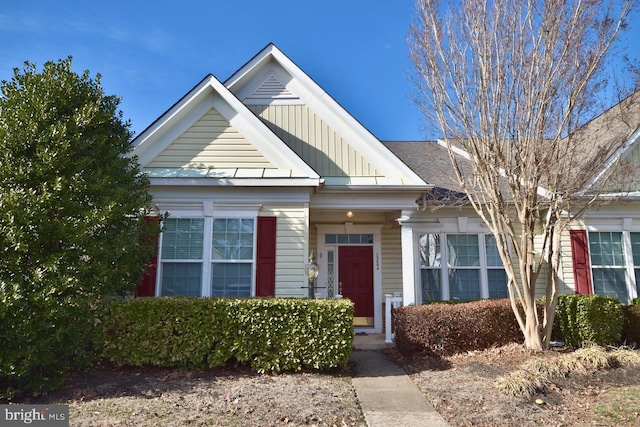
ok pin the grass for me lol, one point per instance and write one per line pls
(536, 374)
(619, 406)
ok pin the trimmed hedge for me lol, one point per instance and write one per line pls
(270, 335)
(582, 319)
(443, 329)
(631, 326)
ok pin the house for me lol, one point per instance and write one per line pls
(263, 169)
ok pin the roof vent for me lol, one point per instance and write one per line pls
(271, 89)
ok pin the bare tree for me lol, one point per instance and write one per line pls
(508, 82)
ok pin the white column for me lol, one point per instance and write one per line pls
(408, 266)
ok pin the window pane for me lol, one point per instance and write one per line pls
(330, 238)
(637, 274)
(330, 275)
(635, 248)
(431, 288)
(497, 283)
(181, 279)
(493, 257)
(464, 285)
(606, 249)
(182, 238)
(463, 250)
(231, 280)
(610, 282)
(232, 239)
(430, 255)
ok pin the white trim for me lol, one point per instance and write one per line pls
(270, 59)
(349, 228)
(621, 153)
(210, 93)
(409, 286)
(209, 213)
(629, 267)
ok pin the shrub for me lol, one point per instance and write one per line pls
(635, 301)
(445, 329)
(582, 319)
(41, 340)
(631, 325)
(270, 335)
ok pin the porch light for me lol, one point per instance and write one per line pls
(349, 214)
(312, 269)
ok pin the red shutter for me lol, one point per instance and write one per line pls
(147, 286)
(580, 257)
(266, 257)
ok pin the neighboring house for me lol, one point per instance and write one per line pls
(261, 170)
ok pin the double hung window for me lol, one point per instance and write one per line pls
(615, 263)
(207, 257)
(473, 268)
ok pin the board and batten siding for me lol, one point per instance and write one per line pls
(391, 260)
(211, 143)
(291, 233)
(314, 141)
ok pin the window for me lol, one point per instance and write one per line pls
(181, 254)
(207, 257)
(615, 264)
(473, 269)
(232, 257)
(496, 276)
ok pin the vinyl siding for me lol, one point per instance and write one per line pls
(211, 143)
(567, 280)
(314, 141)
(290, 254)
(391, 260)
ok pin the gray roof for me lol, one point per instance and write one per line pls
(428, 159)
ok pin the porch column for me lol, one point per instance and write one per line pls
(408, 266)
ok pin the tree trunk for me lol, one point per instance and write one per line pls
(531, 333)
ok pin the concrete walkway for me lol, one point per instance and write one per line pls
(387, 395)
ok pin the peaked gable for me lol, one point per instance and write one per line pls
(211, 142)
(211, 134)
(320, 131)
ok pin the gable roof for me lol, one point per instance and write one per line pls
(613, 136)
(270, 77)
(210, 95)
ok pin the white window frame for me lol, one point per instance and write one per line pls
(445, 267)
(629, 268)
(210, 212)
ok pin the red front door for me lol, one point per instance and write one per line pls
(355, 273)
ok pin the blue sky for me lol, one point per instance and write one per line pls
(152, 53)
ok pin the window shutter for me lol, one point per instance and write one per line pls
(266, 257)
(147, 286)
(580, 257)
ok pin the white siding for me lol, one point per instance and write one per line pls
(211, 143)
(291, 235)
(314, 141)
(391, 260)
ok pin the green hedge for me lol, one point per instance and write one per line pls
(584, 319)
(270, 335)
(631, 326)
(444, 329)
(42, 337)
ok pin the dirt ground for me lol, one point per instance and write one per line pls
(459, 387)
